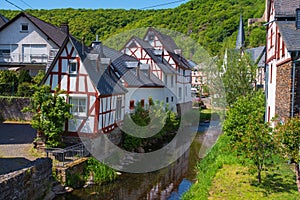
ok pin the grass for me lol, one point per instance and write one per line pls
(220, 175)
(235, 182)
(210, 114)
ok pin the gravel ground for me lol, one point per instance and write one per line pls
(15, 144)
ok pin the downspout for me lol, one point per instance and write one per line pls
(293, 89)
(293, 82)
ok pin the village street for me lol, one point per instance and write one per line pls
(15, 144)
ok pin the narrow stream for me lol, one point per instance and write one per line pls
(166, 184)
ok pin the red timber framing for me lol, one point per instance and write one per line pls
(107, 112)
(140, 54)
(77, 85)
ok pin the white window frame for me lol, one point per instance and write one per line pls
(71, 63)
(119, 108)
(172, 81)
(24, 30)
(75, 99)
(180, 92)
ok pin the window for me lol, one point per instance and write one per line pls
(172, 99)
(119, 108)
(79, 106)
(131, 105)
(166, 80)
(24, 28)
(180, 93)
(73, 67)
(167, 100)
(172, 81)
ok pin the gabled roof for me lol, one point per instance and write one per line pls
(134, 77)
(52, 32)
(104, 79)
(166, 40)
(3, 20)
(286, 8)
(163, 64)
(290, 35)
(258, 55)
(170, 46)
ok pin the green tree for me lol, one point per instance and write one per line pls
(8, 82)
(249, 134)
(287, 137)
(239, 77)
(24, 76)
(50, 112)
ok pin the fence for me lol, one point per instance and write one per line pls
(63, 156)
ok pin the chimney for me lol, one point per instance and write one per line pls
(298, 18)
(98, 47)
(138, 71)
(64, 27)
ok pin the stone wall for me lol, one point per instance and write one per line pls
(73, 168)
(184, 107)
(115, 136)
(283, 90)
(11, 108)
(29, 183)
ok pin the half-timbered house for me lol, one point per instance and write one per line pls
(282, 59)
(136, 77)
(172, 54)
(93, 89)
(146, 54)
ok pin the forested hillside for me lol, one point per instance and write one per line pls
(212, 23)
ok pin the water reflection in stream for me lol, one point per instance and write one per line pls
(168, 183)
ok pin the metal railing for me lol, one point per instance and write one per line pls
(61, 157)
(23, 58)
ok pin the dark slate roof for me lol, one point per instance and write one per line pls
(180, 60)
(3, 20)
(54, 33)
(290, 35)
(240, 40)
(104, 79)
(166, 40)
(286, 8)
(171, 46)
(133, 77)
(258, 55)
(163, 64)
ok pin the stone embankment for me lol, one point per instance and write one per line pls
(32, 182)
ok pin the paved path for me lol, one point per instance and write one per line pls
(15, 144)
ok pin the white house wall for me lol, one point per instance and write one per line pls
(13, 36)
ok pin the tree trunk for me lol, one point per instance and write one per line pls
(259, 176)
(297, 176)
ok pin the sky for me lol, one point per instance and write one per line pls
(89, 4)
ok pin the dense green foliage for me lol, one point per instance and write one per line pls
(159, 120)
(94, 172)
(50, 112)
(101, 173)
(18, 83)
(211, 23)
(287, 137)
(239, 77)
(249, 134)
